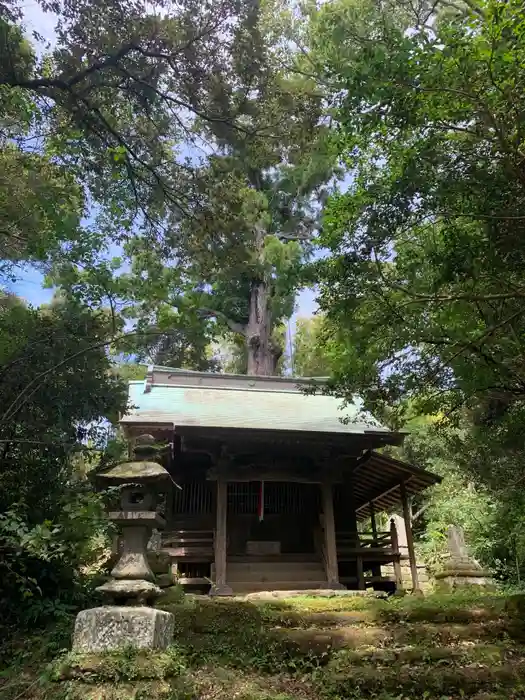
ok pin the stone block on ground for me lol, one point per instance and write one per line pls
(452, 580)
(113, 627)
(461, 570)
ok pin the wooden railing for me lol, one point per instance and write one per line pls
(369, 551)
(358, 541)
(382, 540)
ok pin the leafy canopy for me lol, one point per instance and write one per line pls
(57, 387)
(311, 354)
(425, 276)
(252, 212)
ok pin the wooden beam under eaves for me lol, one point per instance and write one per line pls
(383, 494)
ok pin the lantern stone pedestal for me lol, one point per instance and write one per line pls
(128, 621)
(112, 627)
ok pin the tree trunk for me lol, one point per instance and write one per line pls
(263, 353)
(262, 356)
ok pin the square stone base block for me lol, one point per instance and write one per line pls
(114, 627)
(453, 582)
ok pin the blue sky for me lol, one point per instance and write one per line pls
(29, 282)
(29, 287)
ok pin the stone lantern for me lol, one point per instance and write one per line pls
(127, 619)
(461, 570)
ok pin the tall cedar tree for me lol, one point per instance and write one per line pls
(233, 263)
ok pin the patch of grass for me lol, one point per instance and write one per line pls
(173, 595)
(221, 683)
(24, 661)
(179, 689)
(410, 679)
(305, 648)
(122, 666)
(461, 607)
(246, 635)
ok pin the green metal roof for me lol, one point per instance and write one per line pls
(203, 399)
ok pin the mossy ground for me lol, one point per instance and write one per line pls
(437, 648)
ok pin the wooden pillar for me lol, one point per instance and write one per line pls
(361, 584)
(376, 568)
(395, 549)
(330, 545)
(220, 586)
(373, 522)
(410, 539)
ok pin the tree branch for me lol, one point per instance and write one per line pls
(232, 325)
(420, 298)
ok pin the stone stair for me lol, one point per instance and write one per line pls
(253, 574)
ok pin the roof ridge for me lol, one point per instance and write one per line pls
(243, 377)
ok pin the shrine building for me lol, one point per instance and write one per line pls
(271, 488)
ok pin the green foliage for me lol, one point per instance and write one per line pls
(129, 371)
(458, 500)
(423, 283)
(173, 595)
(108, 137)
(40, 208)
(57, 387)
(41, 202)
(231, 353)
(39, 557)
(490, 514)
(112, 103)
(178, 337)
(425, 276)
(310, 352)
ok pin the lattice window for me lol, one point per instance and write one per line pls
(195, 498)
(279, 498)
(243, 497)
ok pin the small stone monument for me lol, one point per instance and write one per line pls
(127, 620)
(460, 569)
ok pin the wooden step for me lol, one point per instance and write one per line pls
(239, 587)
(270, 573)
(184, 535)
(204, 553)
(283, 575)
(185, 531)
(270, 579)
(275, 566)
(188, 544)
(256, 558)
(174, 542)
